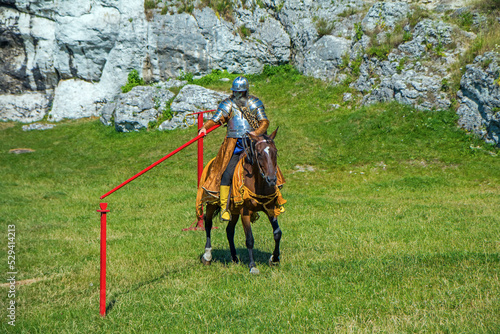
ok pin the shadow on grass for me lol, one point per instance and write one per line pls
(137, 286)
(219, 255)
(224, 256)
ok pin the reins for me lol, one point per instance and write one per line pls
(251, 152)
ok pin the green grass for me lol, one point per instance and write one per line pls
(396, 229)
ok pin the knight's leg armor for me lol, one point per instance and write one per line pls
(225, 185)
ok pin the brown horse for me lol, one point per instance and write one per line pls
(260, 177)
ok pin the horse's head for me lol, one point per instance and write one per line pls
(265, 156)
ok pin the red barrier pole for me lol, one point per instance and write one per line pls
(199, 224)
(102, 286)
(200, 149)
(159, 162)
(200, 164)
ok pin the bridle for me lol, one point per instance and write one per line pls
(252, 153)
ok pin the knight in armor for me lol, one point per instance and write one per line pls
(243, 113)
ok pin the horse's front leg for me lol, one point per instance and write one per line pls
(206, 259)
(275, 257)
(230, 236)
(247, 227)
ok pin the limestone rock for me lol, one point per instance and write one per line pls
(136, 109)
(428, 33)
(385, 14)
(325, 56)
(37, 126)
(76, 99)
(25, 108)
(479, 97)
(192, 98)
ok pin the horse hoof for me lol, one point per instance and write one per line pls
(206, 258)
(272, 262)
(235, 260)
(254, 271)
(205, 262)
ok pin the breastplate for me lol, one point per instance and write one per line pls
(237, 126)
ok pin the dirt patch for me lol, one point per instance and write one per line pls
(4, 126)
(21, 150)
(24, 282)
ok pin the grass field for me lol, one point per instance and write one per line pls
(393, 226)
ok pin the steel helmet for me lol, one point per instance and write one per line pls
(240, 84)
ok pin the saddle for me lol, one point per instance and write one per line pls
(240, 193)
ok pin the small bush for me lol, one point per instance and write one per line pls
(133, 80)
(348, 12)
(215, 76)
(417, 14)
(324, 27)
(345, 61)
(355, 65)
(149, 4)
(407, 36)
(244, 31)
(358, 31)
(401, 64)
(445, 85)
(286, 70)
(185, 6)
(380, 51)
(260, 4)
(488, 6)
(223, 8)
(186, 76)
(466, 20)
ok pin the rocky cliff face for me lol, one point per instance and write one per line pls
(68, 59)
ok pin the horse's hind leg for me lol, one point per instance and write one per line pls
(247, 227)
(230, 236)
(275, 257)
(207, 256)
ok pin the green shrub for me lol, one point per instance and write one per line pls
(280, 6)
(244, 31)
(149, 4)
(222, 8)
(215, 76)
(286, 69)
(380, 51)
(356, 64)
(488, 5)
(186, 76)
(324, 27)
(445, 85)
(417, 14)
(345, 61)
(358, 31)
(407, 36)
(260, 4)
(348, 12)
(466, 20)
(133, 80)
(401, 64)
(185, 6)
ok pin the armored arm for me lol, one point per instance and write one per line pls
(258, 110)
(221, 115)
(263, 125)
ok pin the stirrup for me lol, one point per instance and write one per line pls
(282, 208)
(225, 215)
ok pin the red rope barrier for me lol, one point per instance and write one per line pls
(159, 161)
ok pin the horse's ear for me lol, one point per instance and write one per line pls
(274, 133)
